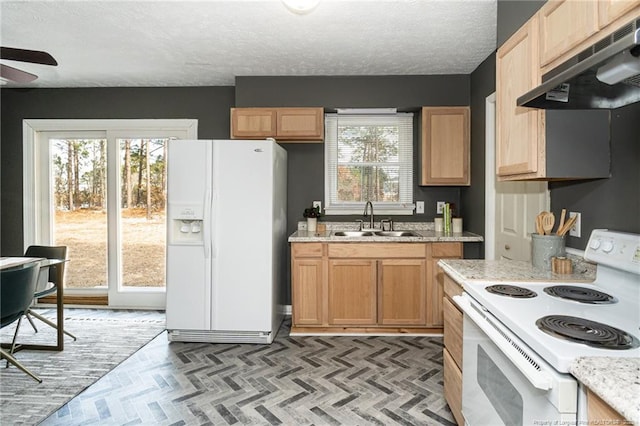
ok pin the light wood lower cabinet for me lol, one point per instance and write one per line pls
(307, 277)
(435, 278)
(601, 413)
(402, 292)
(452, 352)
(352, 292)
(364, 287)
(452, 386)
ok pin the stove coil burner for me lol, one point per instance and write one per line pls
(587, 332)
(580, 294)
(511, 291)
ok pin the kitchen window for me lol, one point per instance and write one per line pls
(369, 157)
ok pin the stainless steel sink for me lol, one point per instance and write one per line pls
(375, 233)
(396, 234)
(353, 234)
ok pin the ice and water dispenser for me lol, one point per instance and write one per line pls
(186, 224)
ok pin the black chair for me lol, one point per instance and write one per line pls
(17, 286)
(51, 285)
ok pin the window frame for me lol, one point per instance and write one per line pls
(405, 206)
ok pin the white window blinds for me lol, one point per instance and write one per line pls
(369, 158)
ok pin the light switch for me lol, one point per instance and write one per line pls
(420, 207)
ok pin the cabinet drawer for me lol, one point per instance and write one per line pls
(451, 288)
(377, 250)
(453, 331)
(453, 387)
(306, 250)
(446, 250)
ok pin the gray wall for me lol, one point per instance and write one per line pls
(306, 161)
(483, 83)
(210, 105)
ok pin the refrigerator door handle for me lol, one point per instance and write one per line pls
(207, 224)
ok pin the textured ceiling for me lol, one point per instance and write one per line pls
(208, 43)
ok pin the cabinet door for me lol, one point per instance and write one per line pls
(402, 292)
(253, 123)
(435, 280)
(306, 292)
(520, 132)
(453, 387)
(352, 292)
(610, 10)
(300, 123)
(445, 146)
(453, 320)
(564, 25)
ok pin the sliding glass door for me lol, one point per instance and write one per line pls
(102, 194)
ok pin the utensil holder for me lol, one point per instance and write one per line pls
(544, 247)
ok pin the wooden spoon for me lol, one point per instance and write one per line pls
(548, 220)
(563, 214)
(539, 228)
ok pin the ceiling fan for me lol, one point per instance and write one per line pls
(22, 55)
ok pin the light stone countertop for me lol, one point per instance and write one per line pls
(615, 380)
(463, 270)
(425, 230)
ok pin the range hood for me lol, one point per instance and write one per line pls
(604, 76)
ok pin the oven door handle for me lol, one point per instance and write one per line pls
(538, 378)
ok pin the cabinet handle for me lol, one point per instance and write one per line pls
(507, 247)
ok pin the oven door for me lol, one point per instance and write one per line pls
(504, 382)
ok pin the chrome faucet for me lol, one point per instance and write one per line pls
(366, 210)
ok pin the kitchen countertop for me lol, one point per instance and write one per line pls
(615, 380)
(462, 270)
(425, 230)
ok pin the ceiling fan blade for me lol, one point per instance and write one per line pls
(14, 74)
(25, 55)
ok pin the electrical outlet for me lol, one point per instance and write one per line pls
(302, 226)
(575, 230)
(420, 207)
(440, 207)
(318, 204)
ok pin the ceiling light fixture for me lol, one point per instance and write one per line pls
(301, 7)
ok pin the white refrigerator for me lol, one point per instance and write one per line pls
(226, 240)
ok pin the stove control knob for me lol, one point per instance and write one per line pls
(595, 244)
(607, 246)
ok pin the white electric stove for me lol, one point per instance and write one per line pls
(539, 328)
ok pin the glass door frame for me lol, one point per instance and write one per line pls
(37, 203)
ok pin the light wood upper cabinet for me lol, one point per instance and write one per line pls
(445, 146)
(520, 131)
(248, 123)
(300, 123)
(283, 124)
(564, 24)
(402, 292)
(610, 10)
